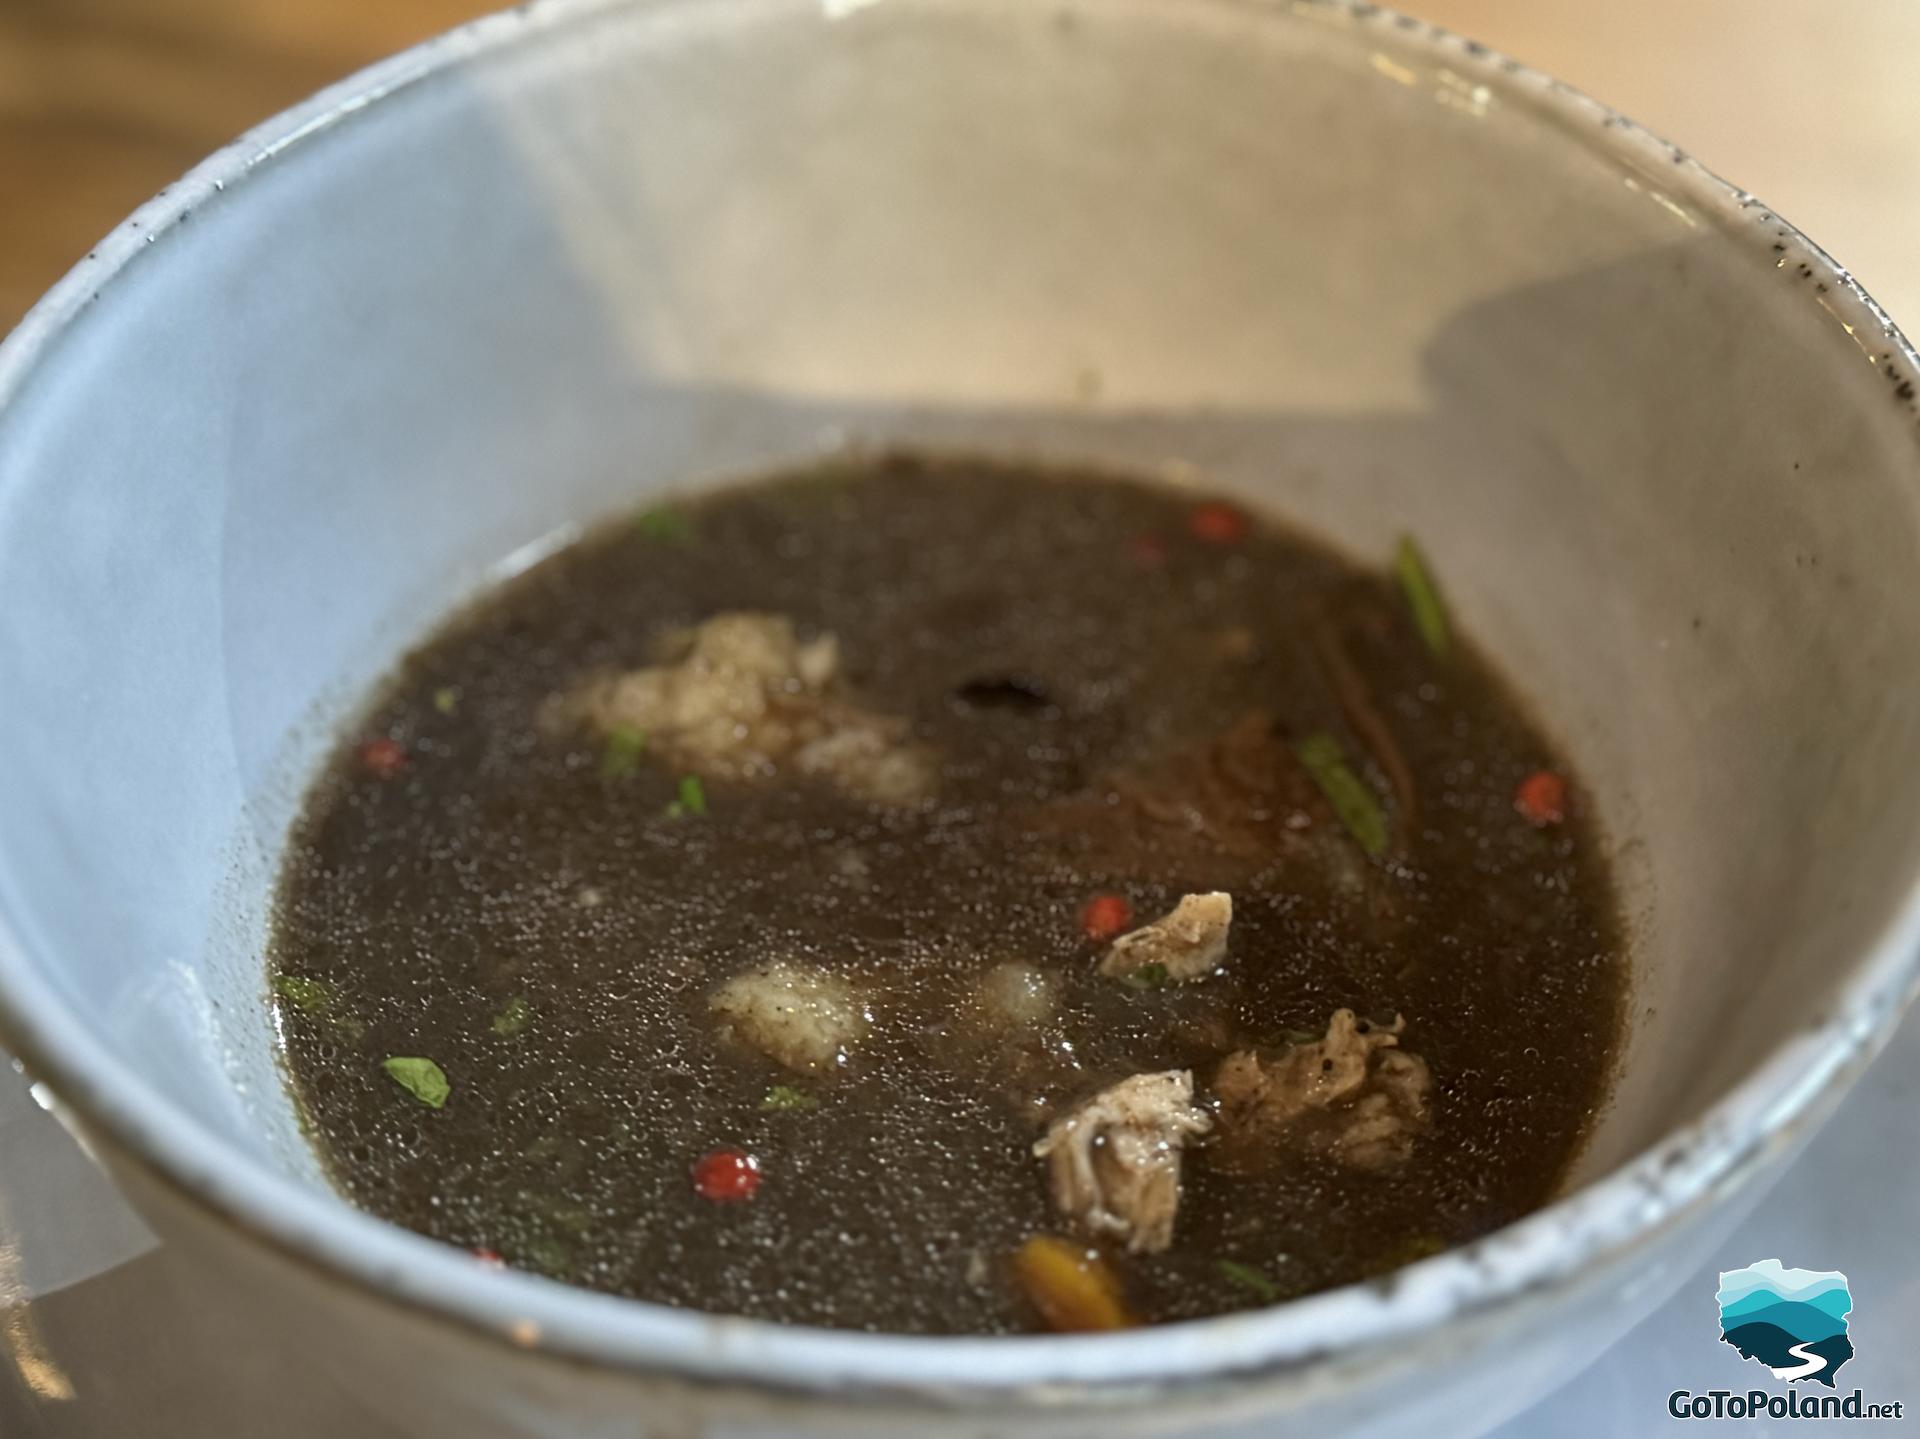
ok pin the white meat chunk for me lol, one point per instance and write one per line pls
(803, 1018)
(1113, 1163)
(1012, 999)
(1189, 943)
(868, 756)
(740, 695)
(1353, 1094)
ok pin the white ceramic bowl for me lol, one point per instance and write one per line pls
(1661, 448)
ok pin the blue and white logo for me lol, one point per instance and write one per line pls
(1794, 1321)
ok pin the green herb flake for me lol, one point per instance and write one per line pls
(1421, 1246)
(1147, 976)
(1352, 801)
(318, 1000)
(514, 1017)
(692, 800)
(312, 997)
(572, 1219)
(785, 1096)
(446, 699)
(1423, 596)
(422, 1078)
(665, 524)
(1245, 1276)
(548, 1255)
(621, 757)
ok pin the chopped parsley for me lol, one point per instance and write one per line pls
(1423, 597)
(621, 757)
(319, 1000)
(515, 1016)
(422, 1078)
(665, 524)
(1353, 803)
(692, 798)
(1245, 1276)
(785, 1096)
(314, 997)
(1147, 976)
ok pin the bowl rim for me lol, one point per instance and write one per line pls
(1761, 1116)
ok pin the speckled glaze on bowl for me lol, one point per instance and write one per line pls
(413, 332)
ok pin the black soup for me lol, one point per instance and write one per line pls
(948, 897)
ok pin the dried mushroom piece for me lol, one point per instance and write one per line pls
(1354, 1095)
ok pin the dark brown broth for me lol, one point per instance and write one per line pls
(431, 899)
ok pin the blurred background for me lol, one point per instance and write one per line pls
(1810, 104)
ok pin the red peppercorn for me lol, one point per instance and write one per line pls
(489, 1258)
(1104, 916)
(726, 1175)
(1541, 798)
(1218, 523)
(382, 758)
(1149, 551)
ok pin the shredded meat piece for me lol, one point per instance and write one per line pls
(1114, 1161)
(741, 694)
(1189, 943)
(1354, 1094)
(805, 1019)
(1238, 802)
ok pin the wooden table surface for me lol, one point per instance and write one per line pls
(1810, 104)
(102, 102)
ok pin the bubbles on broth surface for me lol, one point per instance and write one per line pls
(1064, 644)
